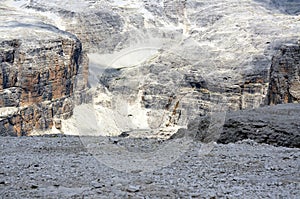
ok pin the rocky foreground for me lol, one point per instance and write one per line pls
(62, 167)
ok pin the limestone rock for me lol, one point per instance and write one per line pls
(285, 75)
(40, 69)
(133, 188)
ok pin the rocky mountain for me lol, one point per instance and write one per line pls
(154, 65)
(183, 97)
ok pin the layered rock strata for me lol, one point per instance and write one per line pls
(285, 76)
(43, 74)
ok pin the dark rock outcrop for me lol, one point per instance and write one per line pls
(276, 125)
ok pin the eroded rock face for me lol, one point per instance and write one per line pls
(38, 116)
(285, 76)
(40, 70)
(43, 74)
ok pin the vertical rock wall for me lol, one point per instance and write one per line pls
(285, 76)
(40, 82)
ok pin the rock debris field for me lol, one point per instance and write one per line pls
(62, 167)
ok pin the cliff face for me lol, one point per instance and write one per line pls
(43, 74)
(285, 76)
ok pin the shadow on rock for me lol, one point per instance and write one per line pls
(275, 125)
(290, 7)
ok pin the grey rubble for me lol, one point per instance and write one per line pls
(60, 167)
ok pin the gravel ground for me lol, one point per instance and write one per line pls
(62, 167)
